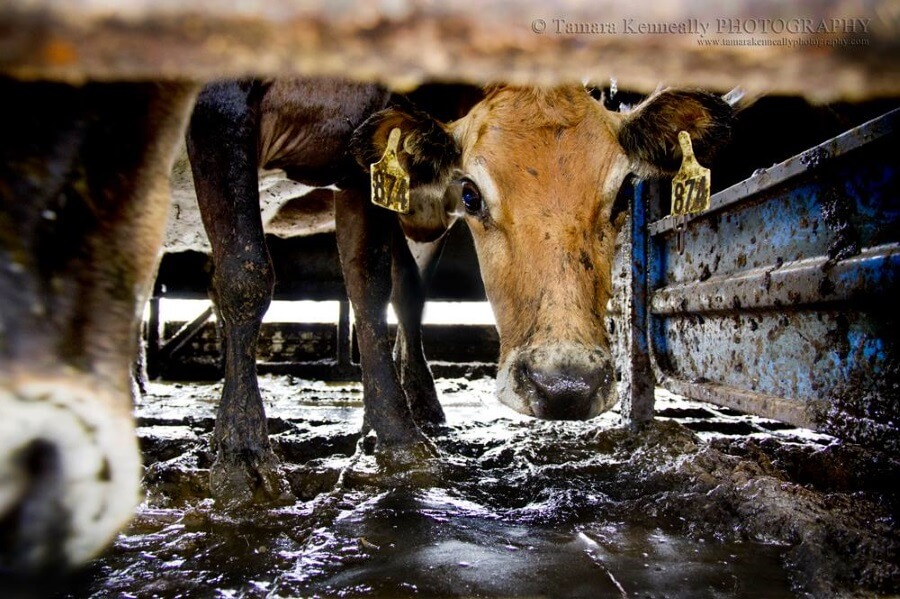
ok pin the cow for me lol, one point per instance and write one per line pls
(538, 176)
(536, 171)
(83, 204)
(304, 128)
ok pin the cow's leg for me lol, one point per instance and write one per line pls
(83, 204)
(413, 267)
(365, 235)
(222, 146)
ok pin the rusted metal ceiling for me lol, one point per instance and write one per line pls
(824, 50)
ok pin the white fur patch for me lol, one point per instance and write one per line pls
(617, 172)
(97, 455)
(506, 386)
(185, 231)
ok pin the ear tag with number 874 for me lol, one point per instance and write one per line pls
(690, 187)
(390, 182)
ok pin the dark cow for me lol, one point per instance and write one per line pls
(83, 203)
(305, 129)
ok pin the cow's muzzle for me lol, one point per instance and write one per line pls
(558, 382)
(69, 474)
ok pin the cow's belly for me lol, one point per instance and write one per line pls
(288, 208)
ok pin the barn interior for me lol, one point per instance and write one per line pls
(754, 449)
(736, 528)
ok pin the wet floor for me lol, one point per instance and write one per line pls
(702, 503)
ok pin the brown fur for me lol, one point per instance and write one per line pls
(426, 149)
(650, 132)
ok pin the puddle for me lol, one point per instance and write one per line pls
(704, 503)
(434, 545)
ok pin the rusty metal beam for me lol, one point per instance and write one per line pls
(749, 402)
(637, 401)
(183, 335)
(811, 281)
(825, 50)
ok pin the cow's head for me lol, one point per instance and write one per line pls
(83, 200)
(539, 172)
(428, 153)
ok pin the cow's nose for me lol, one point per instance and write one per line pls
(563, 392)
(69, 472)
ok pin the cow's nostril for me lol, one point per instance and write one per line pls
(31, 533)
(40, 459)
(69, 472)
(563, 394)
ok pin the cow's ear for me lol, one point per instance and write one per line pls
(649, 133)
(426, 150)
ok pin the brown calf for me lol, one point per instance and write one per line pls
(540, 170)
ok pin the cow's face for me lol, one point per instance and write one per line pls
(429, 154)
(541, 169)
(537, 173)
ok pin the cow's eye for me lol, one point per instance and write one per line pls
(471, 197)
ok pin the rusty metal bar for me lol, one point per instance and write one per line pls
(153, 336)
(749, 402)
(343, 336)
(811, 281)
(183, 335)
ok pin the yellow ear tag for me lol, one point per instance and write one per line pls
(690, 186)
(390, 183)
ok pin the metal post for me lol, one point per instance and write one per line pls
(154, 340)
(637, 401)
(343, 337)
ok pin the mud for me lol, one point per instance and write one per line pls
(704, 502)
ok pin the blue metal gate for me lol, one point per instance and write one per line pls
(784, 299)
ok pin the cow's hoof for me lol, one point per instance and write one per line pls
(423, 400)
(417, 463)
(236, 482)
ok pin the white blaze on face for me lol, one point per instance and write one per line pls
(70, 469)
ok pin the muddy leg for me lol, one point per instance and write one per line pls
(411, 272)
(222, 145)
(364, 234)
